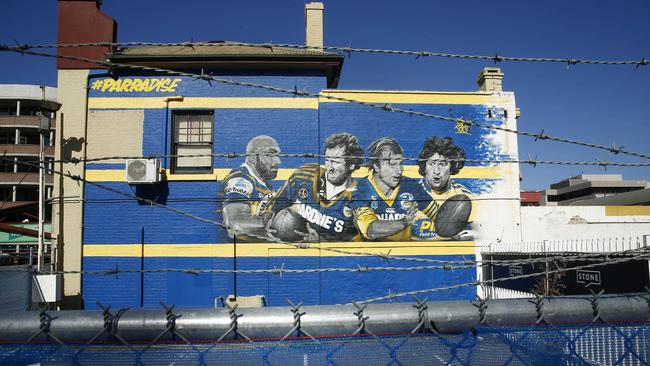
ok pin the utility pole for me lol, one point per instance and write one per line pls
(44, 127)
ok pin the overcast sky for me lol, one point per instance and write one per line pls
(599, 104)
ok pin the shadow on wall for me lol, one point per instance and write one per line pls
(69, 145)
(157, 193)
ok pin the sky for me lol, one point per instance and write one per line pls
(600, 104)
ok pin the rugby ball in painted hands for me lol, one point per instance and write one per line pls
(287, 225)
(452, 217)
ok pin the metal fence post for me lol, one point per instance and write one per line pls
(645, 245)
(234, 266)
(546, 269)
(30, 279)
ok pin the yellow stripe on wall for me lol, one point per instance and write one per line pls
(202, 102)
(414, 97)
(301, 103)
(627, 210)
(410, 171)
(279, 250)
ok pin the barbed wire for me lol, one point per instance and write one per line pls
(280, 271)
(175, 210)
(234, 155)
(449, 265)
(302, 245)
(112, 66)
(503, 279)
(496, 58)
(308, 202)
(116, 191)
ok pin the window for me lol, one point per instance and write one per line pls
(192, 135)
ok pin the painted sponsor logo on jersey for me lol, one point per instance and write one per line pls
(423, 228)
(316, 217)
(390, 216)
(239, 185)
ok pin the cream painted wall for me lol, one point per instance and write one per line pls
(105, 127)
(67, 207)
(583, 222)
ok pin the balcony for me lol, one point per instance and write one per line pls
(23, 122)
(9, 150)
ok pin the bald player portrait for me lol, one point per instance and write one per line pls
(248, 186)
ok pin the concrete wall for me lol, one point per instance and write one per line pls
(583, 222)
(67, 217)
(33, 92)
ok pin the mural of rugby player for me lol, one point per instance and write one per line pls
(439, 159)
(385, 205)
(248, 185)
(321, 196)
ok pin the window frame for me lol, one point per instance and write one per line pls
(175, 143)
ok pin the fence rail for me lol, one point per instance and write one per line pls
(231, 322)
(23, 253)
(591, 245)
(493, 292)
(523, 269)
(578, 330)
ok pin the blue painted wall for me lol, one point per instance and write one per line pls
(110, 219)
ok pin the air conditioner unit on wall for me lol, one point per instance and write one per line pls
(142, 171)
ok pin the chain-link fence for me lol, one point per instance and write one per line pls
(541, 344)
(595, 330)
(16, 285)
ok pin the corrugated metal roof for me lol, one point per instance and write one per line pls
(219, 49)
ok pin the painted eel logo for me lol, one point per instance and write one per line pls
(406, 200)
(374, 204)
(463, 127)
(127, 85)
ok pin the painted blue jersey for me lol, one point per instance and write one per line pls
(440, 198)
(242, 186)
(370, 204)
(304, 191)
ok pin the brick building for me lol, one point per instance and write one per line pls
(144, 113)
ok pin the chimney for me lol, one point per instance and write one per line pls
(490, 79)
(81, 21)
(314, 25)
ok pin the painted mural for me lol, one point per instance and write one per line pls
(326, 203)
(274, 169)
